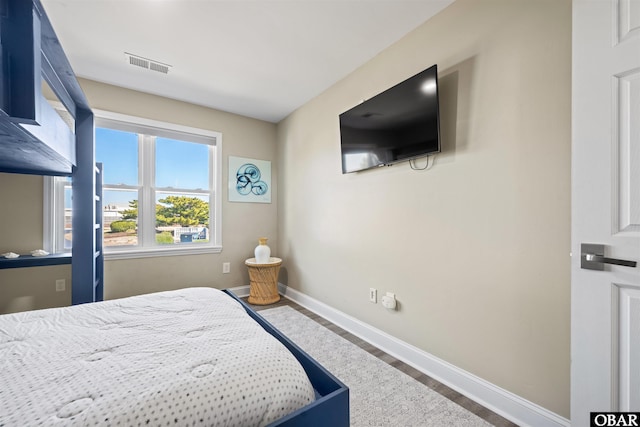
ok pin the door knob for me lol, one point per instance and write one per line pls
(592, 258)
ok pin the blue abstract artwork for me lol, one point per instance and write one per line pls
(249, 180)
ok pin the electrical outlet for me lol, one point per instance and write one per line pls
(389, 301)
(373, 295)
(60, 285)
(226, 267)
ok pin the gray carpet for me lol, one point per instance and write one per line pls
(380, 395)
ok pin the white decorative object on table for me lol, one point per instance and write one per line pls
(39, 252)
(10, 255)
(262, 251)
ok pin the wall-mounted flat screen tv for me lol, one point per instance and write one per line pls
(401, 123)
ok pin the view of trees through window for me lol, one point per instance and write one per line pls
(175, 215)
(179, 184)
(158, 188)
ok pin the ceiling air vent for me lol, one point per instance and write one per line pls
(147, 63)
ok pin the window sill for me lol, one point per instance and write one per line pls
(116, 254)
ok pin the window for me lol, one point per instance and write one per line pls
(161, 189)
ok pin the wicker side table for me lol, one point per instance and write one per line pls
(263, 281)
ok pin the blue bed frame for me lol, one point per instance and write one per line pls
(34, 139)
(331, 407)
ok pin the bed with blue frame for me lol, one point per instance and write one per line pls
(188, 357)
(35, 139)
(331, 407)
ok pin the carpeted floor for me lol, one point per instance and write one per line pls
(380, 395)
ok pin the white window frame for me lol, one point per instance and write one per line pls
(147, 247)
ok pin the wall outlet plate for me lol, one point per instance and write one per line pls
(373, 295)
(226, 267)
(60, 285)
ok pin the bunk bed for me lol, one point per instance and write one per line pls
(35, 139)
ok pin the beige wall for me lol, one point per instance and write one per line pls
(242, 223)
(21, 232)
(23, 289)
(476, 248)
(20, 222)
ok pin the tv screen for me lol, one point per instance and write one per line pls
(401, 123)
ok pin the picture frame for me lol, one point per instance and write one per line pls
(249, 180)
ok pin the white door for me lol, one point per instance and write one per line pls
(605, 312)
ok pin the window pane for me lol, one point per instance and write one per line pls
(118, 152)
(120, 217)
(181, 164)
(182, 218)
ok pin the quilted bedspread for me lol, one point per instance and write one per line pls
(188, 357)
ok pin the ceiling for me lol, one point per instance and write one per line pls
(260, 58)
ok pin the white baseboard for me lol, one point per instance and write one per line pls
(499, 400)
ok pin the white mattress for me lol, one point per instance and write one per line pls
(187, 357)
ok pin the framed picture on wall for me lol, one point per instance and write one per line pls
(249, 180)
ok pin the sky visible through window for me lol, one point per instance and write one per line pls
(179, 164)
(118, 153)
